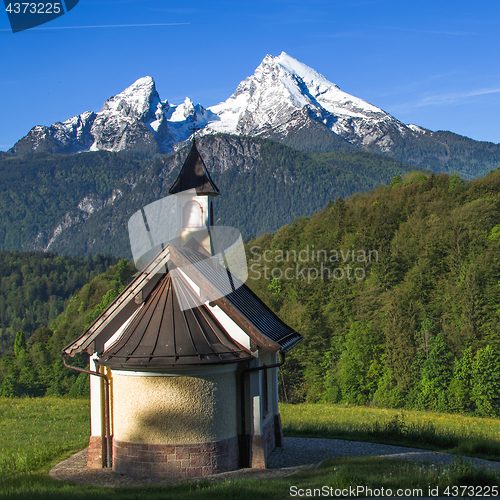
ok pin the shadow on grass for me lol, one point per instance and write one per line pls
(374, 474)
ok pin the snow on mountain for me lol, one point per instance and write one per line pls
(283, 95)
(264, 103)
(134, 120)
(417, 129)
(70, 136)
(182, 117)
(131, 119)
(74, 133)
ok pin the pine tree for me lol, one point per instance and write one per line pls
(19, 344)
(486, 381)
(435, 376)
(460, 389)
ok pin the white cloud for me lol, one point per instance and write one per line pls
(103, 26)
(442, 99)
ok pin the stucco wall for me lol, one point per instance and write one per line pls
(174, 410)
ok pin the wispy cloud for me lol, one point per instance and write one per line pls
(414, 86)
(443, 99)
(103, 26)
(428, 32)
(455, 96)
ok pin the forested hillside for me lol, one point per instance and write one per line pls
(80, 204)
(35, 287)
(395, 291)
(397, 295)
(35, 367)
(446, 152)
(285, 184)
(38, 190)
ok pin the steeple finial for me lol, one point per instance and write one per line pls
(194, 129)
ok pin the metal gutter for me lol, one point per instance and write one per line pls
(107, 425)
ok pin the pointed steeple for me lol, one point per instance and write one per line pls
(194, 175)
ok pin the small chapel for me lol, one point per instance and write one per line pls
(184, 377)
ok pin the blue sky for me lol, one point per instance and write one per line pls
(432, 63)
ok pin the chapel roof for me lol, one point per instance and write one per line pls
(223, 289)
(194, 175)
(162, 335)
(168, 323)
(240, 303)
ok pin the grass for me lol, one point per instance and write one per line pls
(37, 433)
(42, 487)
(377, 474)
(457, 434)
(337, 475)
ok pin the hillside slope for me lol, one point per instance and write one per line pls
(81, 203)
(396, 292)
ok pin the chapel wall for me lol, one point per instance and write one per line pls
(174, 410)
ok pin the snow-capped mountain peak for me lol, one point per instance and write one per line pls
(182, 111)
(137, 101)
(132, 119)
(282, 96)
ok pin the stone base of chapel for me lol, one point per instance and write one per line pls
(175, 460)
(96, 455)
(185, 460)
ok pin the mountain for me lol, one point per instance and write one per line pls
(74, 204)
(81, 203)
(72, 136)
(284, 95)
(136, 120)
(285, 101)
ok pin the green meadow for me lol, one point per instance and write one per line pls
(37, 433)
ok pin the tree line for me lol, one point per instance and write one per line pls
(417, 325)
(34, 367)
(35, 287)
(396, 292)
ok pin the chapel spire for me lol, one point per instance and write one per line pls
(194, 175)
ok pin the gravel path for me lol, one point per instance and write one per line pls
(300, 451)
(297, 454)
